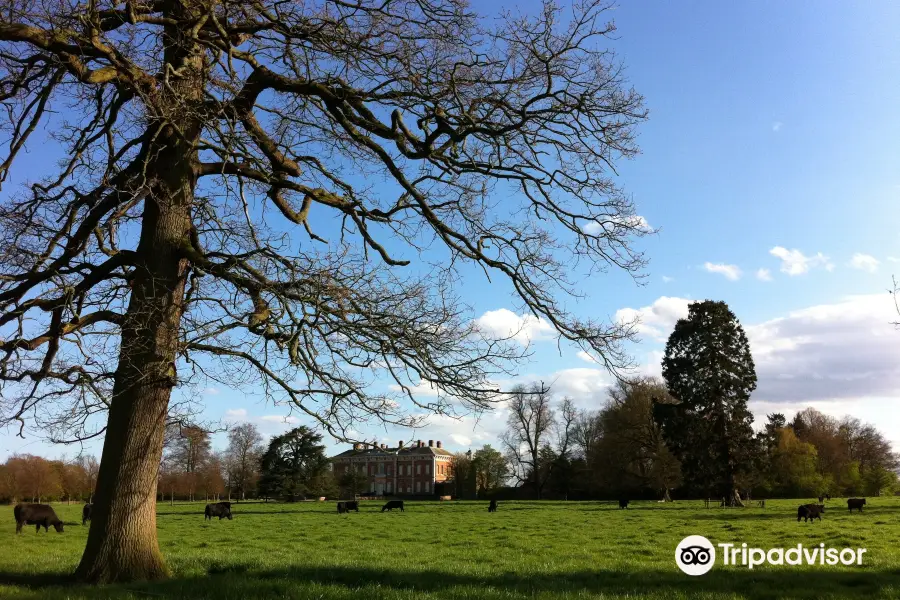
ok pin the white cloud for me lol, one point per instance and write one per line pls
(611, 222)
(586, 357)
(461, 440)
(279, 419)
(845, 350)
(776, 126)
(658, 319)
(421, 389)
(893, 259)
(764, 275)
(504, 323)
(732, 272)
(667, 279)
(794, 262)
(233, 414)
(211, 391)
(864, 262)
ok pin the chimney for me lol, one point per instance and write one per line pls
(439, 443)
(356, 446)
(418, 443)
(431, 443)
(383, 446)
(400, 444)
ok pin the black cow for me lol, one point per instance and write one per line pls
(823, 498)
(86, 513)
(856, 503)
(492, 507)
(810, 512)
(342, 507)
(36, 514)
(219, 509)
(392, 505)
(623, 503)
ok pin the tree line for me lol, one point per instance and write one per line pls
(292, 466)
(689, 433)
(29, 478)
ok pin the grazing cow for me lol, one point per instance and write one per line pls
(856, 503)
(219, 509)
(392, 505)
(351, 505)
(823, 498)
(810, 512)
(86, 513)
(492, 507)
(36, 514)
(623, 503)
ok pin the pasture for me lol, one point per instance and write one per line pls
(459, 551)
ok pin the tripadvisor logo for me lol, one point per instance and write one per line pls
(696, 555)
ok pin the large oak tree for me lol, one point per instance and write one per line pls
(288, 192)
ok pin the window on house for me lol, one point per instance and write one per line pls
(418, 486)
(408, 490)
(418, 470)
(380, 470)
(427, 469)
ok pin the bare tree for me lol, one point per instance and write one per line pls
(586, 433)
(565, 426)
(91, 467)
(530, 421)
(202, 139)
(242, 458)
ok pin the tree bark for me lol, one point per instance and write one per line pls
(122, 543)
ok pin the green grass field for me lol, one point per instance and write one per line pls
(457, 550)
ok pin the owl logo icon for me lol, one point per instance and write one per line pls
(695, 555)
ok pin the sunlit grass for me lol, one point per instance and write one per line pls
(458, 550)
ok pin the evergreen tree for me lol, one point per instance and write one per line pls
(293, 466)
(709, 371)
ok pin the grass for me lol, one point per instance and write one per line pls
(459, 551)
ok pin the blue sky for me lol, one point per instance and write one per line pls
(772, 125)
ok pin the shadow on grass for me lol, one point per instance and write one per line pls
(243, 581)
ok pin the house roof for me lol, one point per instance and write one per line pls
(405, 451)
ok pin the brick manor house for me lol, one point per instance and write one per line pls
(411, 470)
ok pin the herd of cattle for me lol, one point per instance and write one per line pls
(43, 515)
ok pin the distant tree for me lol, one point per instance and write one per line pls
(530, 423)
(245, 449)
(793, 467)
(352, 482)
(211, 477)
(90, 467)
(188, 451)
(709, 371)
(630, 454)
(292, 464)
(491, 470)
(878, 479)
(586, 432)
(463, 476)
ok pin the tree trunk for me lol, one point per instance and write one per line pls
(122, 543)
